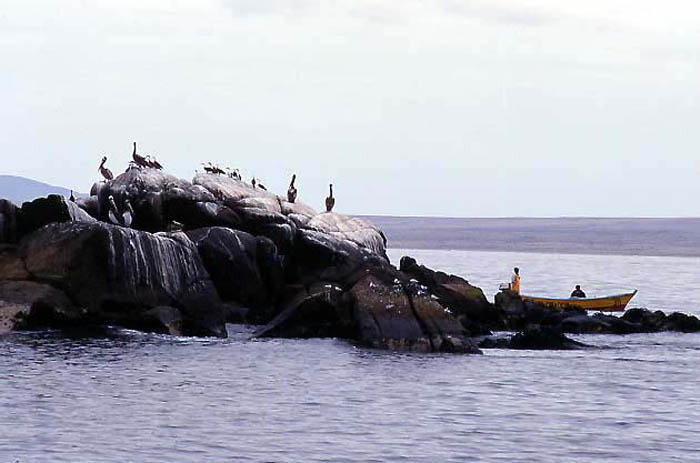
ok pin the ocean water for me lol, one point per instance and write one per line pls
(134, 397)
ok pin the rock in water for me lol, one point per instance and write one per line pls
(117, 274)
(544, 339)
(388, 317)
(465, 301)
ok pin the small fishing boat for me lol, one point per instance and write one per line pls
(602, 304)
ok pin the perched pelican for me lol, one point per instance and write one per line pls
(292, 191)
(252, 182)
(138, 159)
(113, 211)
(233, 173)
(153, 163)
(72, 198)
(128, 215)
(330, 200)
(106, 173)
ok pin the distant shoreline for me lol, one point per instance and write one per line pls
(679, 237)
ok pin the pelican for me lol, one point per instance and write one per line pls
(330, 200)
(72, 198)
(128, 215)
(113, 211)
(292, 191)
(252, 182)
(257, 184)
(106, 173)
(138, 159)
(153, 163)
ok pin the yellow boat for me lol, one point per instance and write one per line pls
(602, 304)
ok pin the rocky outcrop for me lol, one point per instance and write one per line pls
(27, 304)
(374, 312)
(465, 301)
(116, 274)
(52, 209)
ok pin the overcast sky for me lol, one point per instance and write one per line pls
(444, 107)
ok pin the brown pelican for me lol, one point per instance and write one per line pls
(153, 163)
(106, 173)
(330, 200)
(252, 182)
(72, 198)
(208, 168)
(292, 191)
(234, 174)
(125, 218)
(128, 215)
(113, 211)
(138, 159)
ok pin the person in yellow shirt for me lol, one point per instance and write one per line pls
(515, 281)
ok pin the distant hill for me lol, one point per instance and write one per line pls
(20, 189)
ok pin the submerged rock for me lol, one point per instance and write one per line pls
(544, 339)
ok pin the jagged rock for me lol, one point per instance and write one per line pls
(359, 231)
(465, 301)
(319, 312)
(544, 339)
(8, 222)
(244, 269)
(321, 257)
(52, 209)
(386, 317)
(28, 305)
(118, 273)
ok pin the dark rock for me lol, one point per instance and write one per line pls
(580, 324)
(11, 265)
(244, 269)
(321, 257)
(9, 215)
(162, 319)
(319, 312)
(465, 301)
(491, 342)
(52, 209)
(30, 305)
(199, 214)
(118, 273)
(681, 322)
(386, 317)
(544, 339)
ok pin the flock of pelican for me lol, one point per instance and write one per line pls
(138, 161)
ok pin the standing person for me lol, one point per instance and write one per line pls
(515, 281)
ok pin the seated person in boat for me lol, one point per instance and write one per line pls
(578, 292)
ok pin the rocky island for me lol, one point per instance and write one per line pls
(153, 252)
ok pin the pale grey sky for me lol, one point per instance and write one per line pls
(443, 107)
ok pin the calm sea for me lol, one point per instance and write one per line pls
(132, 397)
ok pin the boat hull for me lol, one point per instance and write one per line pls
(603, 304)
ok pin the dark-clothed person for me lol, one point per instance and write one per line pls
(578, 292)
